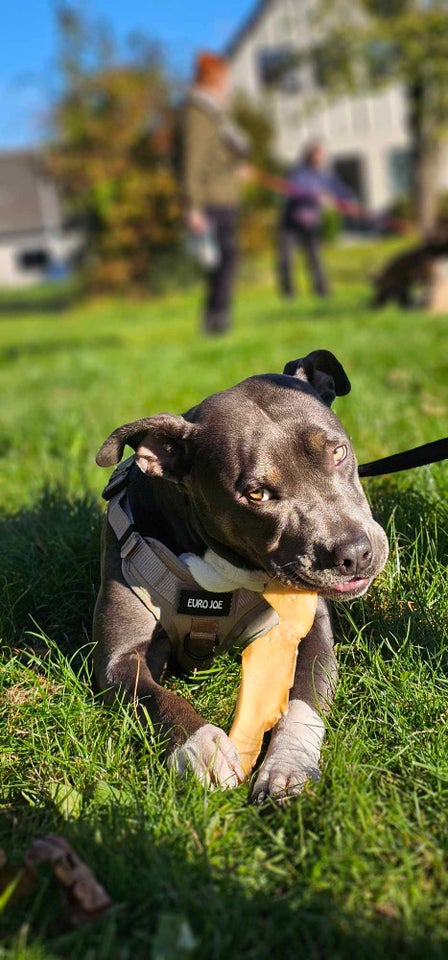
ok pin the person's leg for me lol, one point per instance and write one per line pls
(211, 280)
(310, 241)
(285, 245)
(220, 281)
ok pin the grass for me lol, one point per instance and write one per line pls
(357, 865)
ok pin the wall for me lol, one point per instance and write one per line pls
(370, 128)
(59, 247)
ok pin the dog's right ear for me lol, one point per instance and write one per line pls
(323, 372)
(163, 445)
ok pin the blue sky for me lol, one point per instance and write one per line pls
(27, 62)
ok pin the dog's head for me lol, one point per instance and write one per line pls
(270, 477)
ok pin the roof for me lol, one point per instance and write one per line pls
(246, 27)
(25, 193)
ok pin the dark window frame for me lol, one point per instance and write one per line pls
(278, 68)
(33, 259)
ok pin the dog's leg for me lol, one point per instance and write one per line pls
(293, 754)
(130, 656)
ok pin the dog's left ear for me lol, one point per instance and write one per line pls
(323, 372)
(162, 444)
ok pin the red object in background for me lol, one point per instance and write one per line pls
(209, 67)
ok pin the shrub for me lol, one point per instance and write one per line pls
(113, 129)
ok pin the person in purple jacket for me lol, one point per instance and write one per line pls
(310, 186)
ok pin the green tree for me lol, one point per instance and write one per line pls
(111, 150)
(258, 125)
(368, 43)
(259, 203)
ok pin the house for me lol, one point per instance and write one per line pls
(366, 136)
(35, 244)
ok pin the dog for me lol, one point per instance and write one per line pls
(401, 278)
(256, 482)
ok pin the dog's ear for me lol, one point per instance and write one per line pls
(323, 372)
(162, 445)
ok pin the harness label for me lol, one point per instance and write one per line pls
(201, 603)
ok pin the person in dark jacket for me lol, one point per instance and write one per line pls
(215, 150)
(309, 186)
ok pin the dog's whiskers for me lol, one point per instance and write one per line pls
(283, 566)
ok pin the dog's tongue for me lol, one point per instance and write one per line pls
(349, 585)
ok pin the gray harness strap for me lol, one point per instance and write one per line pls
(199, 624)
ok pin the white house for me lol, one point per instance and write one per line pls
(366, 136)
(34, 242)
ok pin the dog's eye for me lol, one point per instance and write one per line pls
(339, 454)
(259, 495)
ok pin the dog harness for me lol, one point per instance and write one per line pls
(199, 623)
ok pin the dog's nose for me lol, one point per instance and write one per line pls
(353, 557)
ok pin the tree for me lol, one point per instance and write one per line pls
(112, 129)
(259, 128)
(259, 202)
(378, 42)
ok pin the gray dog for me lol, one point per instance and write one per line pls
(256, 482)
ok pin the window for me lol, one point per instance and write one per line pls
(278, 68)
(399, 162)
(33, 260)
(350, 170)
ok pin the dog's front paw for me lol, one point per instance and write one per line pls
(293, 754)
(212, 757)
(281, 778)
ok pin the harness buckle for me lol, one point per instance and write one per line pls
(118, 480)
(196, 656)
(130, 544)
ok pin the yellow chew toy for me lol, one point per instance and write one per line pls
(268, 668)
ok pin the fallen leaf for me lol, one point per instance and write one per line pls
(86, 899)
(105, 793)
(66, 798)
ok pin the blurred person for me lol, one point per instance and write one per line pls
(310, 186)
(215, 150)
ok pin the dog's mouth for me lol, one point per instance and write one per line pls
(348, 590)
(344, 590)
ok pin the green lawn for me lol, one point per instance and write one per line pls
(356, 867)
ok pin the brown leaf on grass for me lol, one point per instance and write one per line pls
(86, 899)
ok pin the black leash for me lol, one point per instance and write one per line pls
(417, 457)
